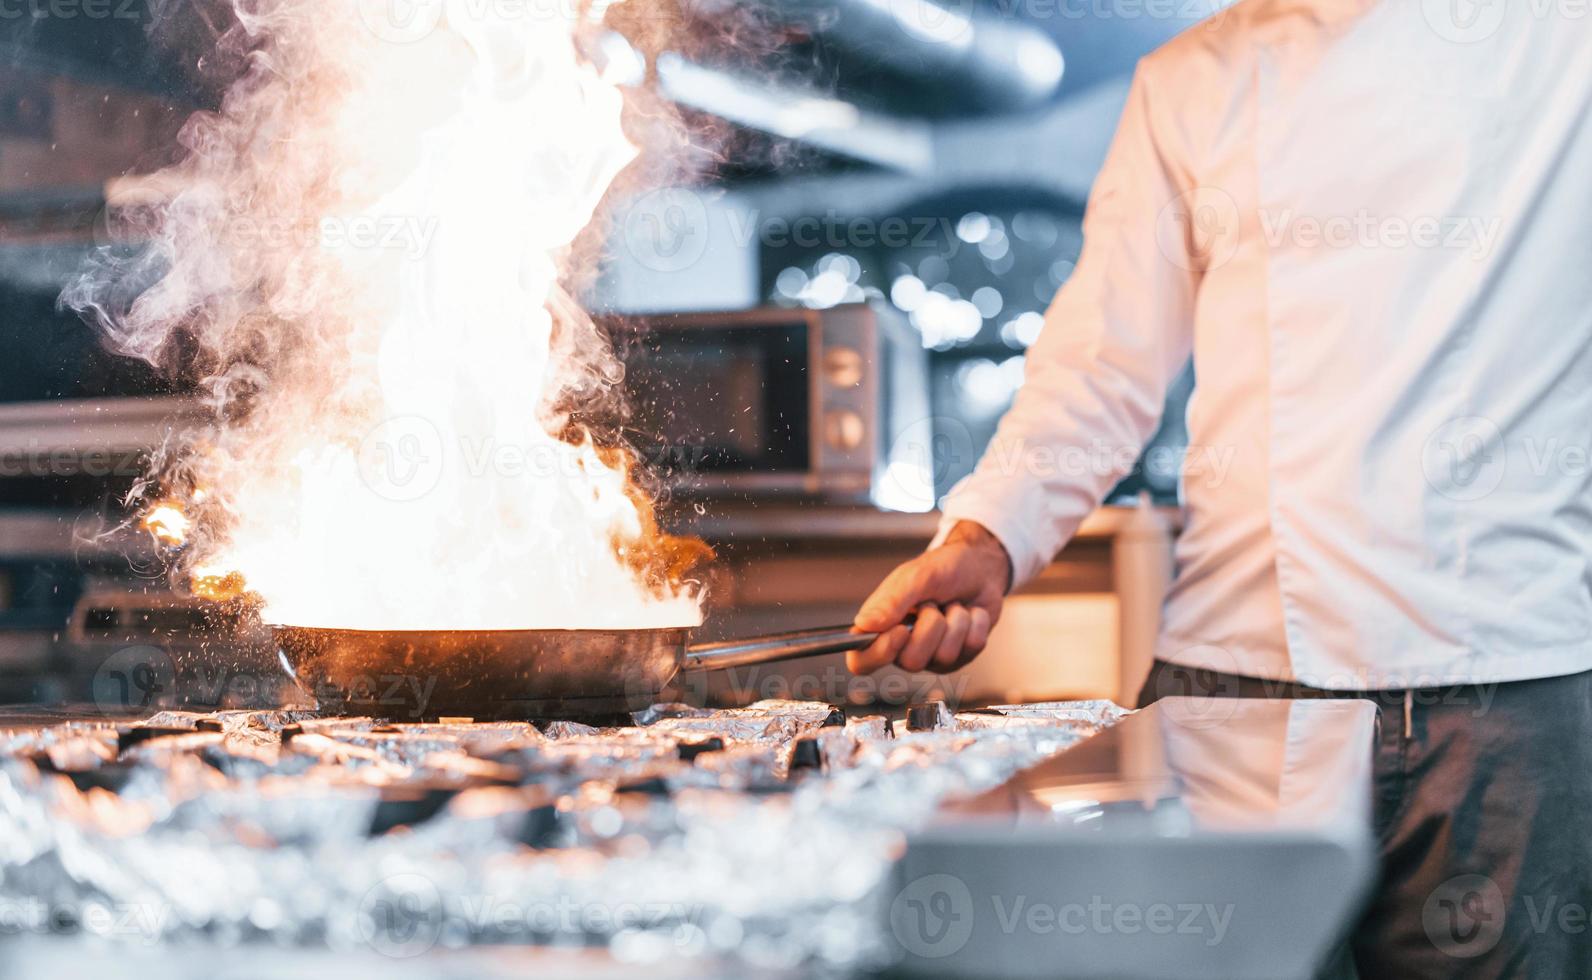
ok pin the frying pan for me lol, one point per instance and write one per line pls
(502, 675)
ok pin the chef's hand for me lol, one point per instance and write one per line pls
(955, 591)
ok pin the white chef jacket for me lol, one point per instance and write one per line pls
(1371, 225)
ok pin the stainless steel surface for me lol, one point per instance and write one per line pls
(1174, 842)
(90, 425)
(1247, 822)
(955, 55)
(879, 139)
(70, 535)
(40, 957)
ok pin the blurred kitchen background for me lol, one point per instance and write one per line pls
(899, 195)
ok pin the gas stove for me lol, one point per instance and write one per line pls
(764, 834)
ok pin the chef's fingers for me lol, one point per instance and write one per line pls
(930, 578)
(927, 631)
(957, 622)
(879, 653)
(891, 601)
(979, 623)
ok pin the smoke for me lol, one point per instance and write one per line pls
(369, 257)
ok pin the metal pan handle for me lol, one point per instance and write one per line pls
(776, 647)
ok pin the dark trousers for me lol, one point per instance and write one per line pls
(1483, 802)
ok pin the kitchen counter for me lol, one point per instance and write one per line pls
(1228, 841)
(1210, 840)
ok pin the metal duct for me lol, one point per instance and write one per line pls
(954, 59)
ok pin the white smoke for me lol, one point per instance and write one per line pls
(364, 256)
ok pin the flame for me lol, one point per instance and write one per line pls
(168, 523)
(369, 254)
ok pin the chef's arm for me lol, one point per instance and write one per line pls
(1093, 393)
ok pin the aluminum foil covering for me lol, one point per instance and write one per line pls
(762, 833)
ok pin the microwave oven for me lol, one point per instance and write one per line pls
(815, 403)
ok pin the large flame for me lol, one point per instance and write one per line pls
(367, 247)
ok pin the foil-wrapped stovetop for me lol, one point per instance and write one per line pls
(762, 833)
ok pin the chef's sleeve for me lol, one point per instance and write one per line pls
(1117, 334)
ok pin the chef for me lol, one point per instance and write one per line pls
(1370, 225)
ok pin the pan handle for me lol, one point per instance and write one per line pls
(779, 646)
